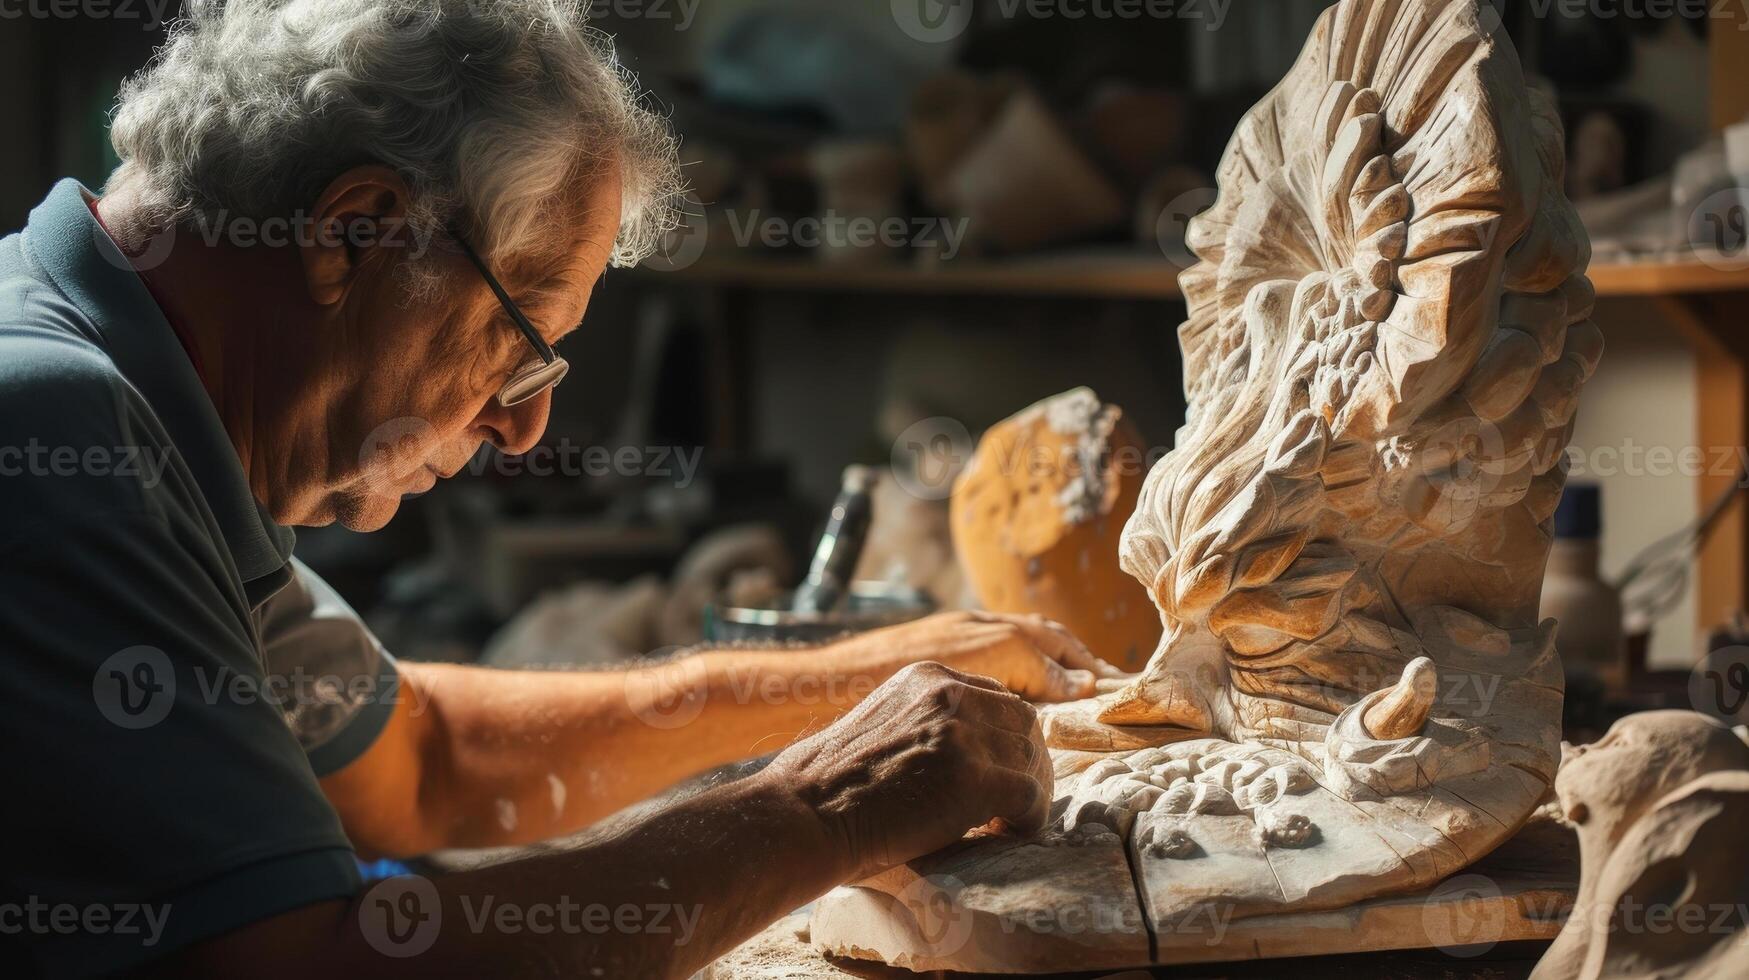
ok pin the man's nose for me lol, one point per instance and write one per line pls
(515, 430)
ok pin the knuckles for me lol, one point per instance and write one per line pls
(925, 672)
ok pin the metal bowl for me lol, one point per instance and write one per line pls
(870, 605)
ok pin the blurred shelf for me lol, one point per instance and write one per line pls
(1116, 275)
(1670, 277)
(1704, 298)
(1107, 275)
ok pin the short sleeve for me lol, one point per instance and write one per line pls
(335, 684)
(166, 801)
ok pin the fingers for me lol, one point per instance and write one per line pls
(1018, 799)
(1064, 684)
(1054, 640)
(975, 680)
(1044, 767)
(1001, 708)
(982, 699)
(1034, 675)
(1010, 749)
(1020, 750)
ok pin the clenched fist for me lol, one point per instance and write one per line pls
(930, 754)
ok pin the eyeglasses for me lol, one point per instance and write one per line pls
(541, 373)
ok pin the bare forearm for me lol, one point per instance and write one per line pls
(511, 757)
(660, 898)
(661, 891)
(515, 757)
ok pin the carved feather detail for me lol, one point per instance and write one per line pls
(1387, 335)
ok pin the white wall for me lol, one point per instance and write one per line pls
(1642, 396)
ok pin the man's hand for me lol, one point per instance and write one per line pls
(929, 755)
(1030, 655)
(458, 748)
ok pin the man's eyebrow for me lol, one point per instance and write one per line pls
(543, 292)
(550, 292)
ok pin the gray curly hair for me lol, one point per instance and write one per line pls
(489, 109)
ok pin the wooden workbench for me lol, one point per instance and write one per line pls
(1533, 875)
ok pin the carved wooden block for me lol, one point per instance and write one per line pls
(1659, 804)
(1037, 516)
(1388, 330)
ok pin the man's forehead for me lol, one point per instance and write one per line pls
(587, 223)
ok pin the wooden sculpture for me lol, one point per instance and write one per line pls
(1388, 330)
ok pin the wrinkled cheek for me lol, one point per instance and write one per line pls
(458, 455)
(393, 452)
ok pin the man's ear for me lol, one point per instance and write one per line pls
(356, 222)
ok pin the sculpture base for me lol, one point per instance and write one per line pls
(1046, 909)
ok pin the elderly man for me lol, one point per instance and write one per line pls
(180, 382)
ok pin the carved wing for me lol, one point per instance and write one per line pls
(1386, 338)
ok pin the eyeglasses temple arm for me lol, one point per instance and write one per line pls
(540, 345)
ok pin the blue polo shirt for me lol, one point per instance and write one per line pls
(172, 681)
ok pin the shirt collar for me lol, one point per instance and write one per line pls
(72, 248)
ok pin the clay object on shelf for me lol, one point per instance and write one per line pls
(861, 184)
(1026, 184)
(1388, 329)
(1036, 518)
(949, 113)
